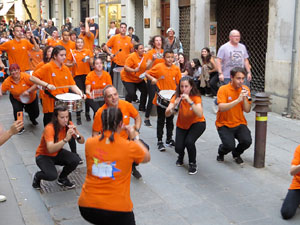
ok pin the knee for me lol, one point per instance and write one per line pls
(189, 144)
(51, 175)
(228, 147)
(247, 142)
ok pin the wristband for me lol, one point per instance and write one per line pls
(137, 130)
(191, 103)
(137, 137)
(65, 141)
(46, 86)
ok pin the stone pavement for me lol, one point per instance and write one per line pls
(219, 194)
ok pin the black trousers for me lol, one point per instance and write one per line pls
(228, 136)
(95, 105)
(32, 108)
(47, 165)
(72, 143)
(80, 82)
(151, 89)
(290, 204)
(131, 93)
(187, 139)
(161, 118)
(214, 79)
(113, 65)
(106, 217)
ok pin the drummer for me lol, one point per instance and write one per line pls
(154, 56)
(166, 76)
(134, 66)
(81, 59)
(52, 75)
(95, 82)
(22, 93)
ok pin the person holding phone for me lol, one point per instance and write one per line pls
(5, 135)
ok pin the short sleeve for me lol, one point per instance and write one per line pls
(221, 96)
(88, 80)
(132, 111)
(5, 85)
(221, 52)
(97, 125)
(111, 41)
(129, 62)
(136, 152)
(154, 71)
(49, 133)
(296, 159)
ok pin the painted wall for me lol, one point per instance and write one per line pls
(279, 52)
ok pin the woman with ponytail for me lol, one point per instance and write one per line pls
(105, 195)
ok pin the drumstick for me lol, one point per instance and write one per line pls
(116, 53)
(73, 57)
(139, 65)
(162, 77)
(67, 86)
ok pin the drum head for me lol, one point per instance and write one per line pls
(24, 99)
(167, 94)
(68, 97)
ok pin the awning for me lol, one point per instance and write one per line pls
(6, 7)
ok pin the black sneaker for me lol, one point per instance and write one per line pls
(136, 173)
(21, 131)
(192, 168)
(239, 160)
(147, 123)
(78, 121)
(179, 162)
(36, 183)
(65, 183)
(220, 158)
(80, 159)
(161, 147)
(170, 143)
(88, 118)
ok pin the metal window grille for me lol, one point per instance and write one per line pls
(250, 17)
(184, 29)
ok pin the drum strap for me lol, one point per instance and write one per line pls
(50, 95)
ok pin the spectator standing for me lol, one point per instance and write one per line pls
(50, 27)
(172, 42)
(94, 28)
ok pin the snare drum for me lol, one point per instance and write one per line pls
(164, 97)
(97, 95)
(72, 101)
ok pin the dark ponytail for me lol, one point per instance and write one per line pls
(111, 118)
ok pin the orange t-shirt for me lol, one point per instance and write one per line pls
(16, 89)
(186, 116)
(39, 65)
(52, 42)
(56, 76)
(296, 161)
(107, 182)
(169, 77)
(69, 45)
(98, 82)
(48, 136)
(234, 116)
(118, 42)
(152, 52)
(88, 41)
(17, 52)
(82, 68)
(133, 61)
(35, 57)
(127, 110)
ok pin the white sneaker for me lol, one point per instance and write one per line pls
(2, 198)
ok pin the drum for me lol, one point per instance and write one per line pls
(72, 101)
(164, 97)
(97, 95)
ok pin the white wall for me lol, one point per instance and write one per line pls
(279, 52)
